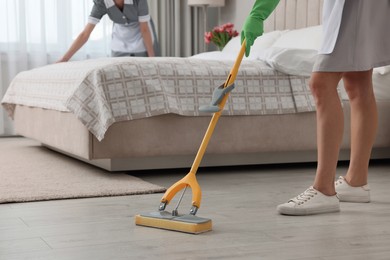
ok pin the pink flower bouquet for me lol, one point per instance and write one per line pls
(221, 35)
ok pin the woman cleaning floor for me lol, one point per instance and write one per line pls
(355, 41)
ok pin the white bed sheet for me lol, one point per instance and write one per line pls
(381, 86)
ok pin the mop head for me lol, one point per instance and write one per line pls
(182, 223)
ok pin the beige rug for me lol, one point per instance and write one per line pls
(30, 172)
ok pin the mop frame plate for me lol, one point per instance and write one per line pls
(182, 223)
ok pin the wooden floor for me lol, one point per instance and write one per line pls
(240, 201)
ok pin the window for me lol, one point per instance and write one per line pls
(50, 26)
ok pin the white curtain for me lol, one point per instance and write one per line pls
(180, 28)
(35, 33)
(173, 25)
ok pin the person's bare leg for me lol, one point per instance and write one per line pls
(364, 123)
(330, 126)
(321, 198)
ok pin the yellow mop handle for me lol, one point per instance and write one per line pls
(190, 179)
(230, 80)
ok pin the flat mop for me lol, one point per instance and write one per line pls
(190, 223)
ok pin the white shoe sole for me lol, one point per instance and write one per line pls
(304, 212)
(354, 199)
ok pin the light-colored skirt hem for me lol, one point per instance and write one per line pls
(363, 42)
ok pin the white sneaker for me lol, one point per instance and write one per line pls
(347, 193)
(310, 202)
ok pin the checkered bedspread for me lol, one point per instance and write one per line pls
(103, 91)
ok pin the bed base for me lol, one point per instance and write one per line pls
(171, 141)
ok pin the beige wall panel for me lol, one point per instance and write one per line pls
(290, 14)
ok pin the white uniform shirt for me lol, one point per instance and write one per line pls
(126, 33)
(332, 15)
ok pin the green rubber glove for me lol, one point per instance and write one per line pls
(253, 26)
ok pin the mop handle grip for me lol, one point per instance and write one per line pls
(234, 70)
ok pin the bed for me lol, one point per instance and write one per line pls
(142, 113)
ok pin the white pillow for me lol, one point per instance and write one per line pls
(214, 55)
(219, 55)
(305, 38)
(233, 45)
(291, 61)
(261, 43)
(267, 40)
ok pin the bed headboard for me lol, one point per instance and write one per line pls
(290, 14)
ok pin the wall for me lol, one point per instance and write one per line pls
(235, 11)
(290, 14)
